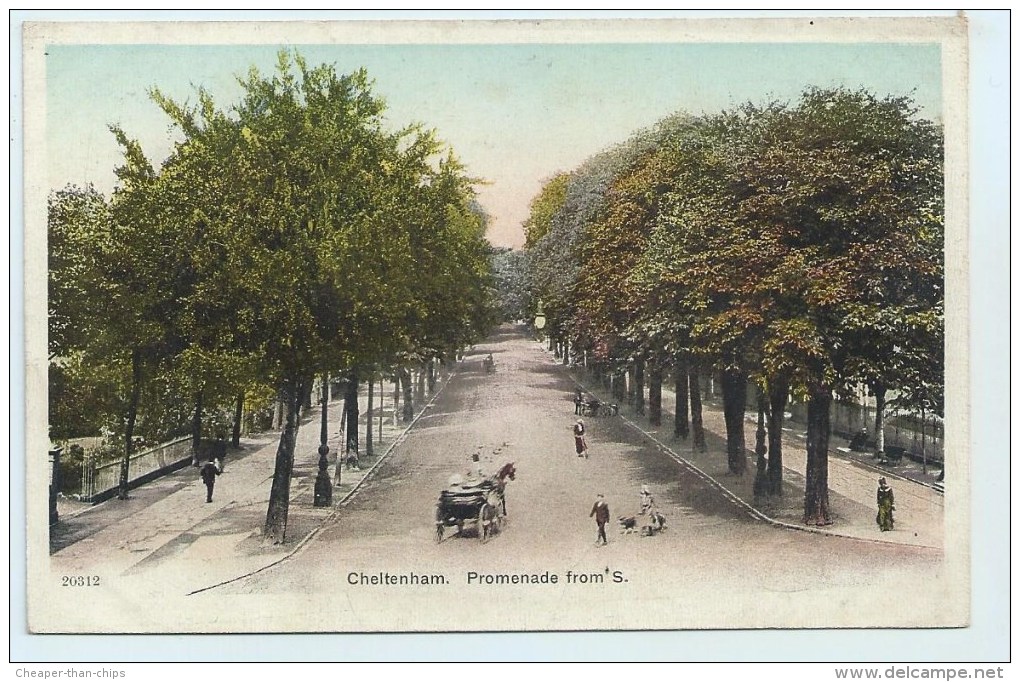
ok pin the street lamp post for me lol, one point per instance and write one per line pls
(54, 483)
(539, 317)
(323, 484)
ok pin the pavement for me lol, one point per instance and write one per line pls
(216, 543)
(853, 477)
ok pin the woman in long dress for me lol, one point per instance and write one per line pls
(579, 443)
(885, 506)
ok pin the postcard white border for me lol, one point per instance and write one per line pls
(979, 314)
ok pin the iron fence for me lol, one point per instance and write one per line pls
(98, 478)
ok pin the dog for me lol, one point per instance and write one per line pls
(657, 524)
(628, 524)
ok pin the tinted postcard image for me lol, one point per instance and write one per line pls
(496, 326)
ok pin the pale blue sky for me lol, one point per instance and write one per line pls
(515, 114)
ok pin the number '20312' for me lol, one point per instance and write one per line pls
(79, 581)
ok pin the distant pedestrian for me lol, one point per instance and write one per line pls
(579, 442)
(209, 473)
(647, 501)
(220, 452)
(652, 520)
(600, 510)
(885, 506)
(578, 401)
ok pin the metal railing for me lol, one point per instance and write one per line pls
(99, 478)
(903, 431)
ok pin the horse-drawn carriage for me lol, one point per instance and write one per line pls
(480, 503)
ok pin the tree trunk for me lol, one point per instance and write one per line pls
(761, 479)
(405, 381)
(924, 455)
(681, 425)
(432, 376)
(779, 393)
(306, 390)
(368, 417)
(620, 386)
(734, 390)
(196, 427)
(654, 394)
(631, 383)
(129, 425)
(639, 386)
(697, 425)
(275, 529)
(396, 395)
(235, 436)
(879, 391)
(419, 385)
(816, 492)
(353, 412)
(566, 352)
(279, 413)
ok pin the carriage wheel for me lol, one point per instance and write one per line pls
(439, 532)
(483, 527)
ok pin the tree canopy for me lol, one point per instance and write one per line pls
(796, 243)
(293, 233)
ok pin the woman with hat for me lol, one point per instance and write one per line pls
(579, 443)
(651, 522)
(885, 506)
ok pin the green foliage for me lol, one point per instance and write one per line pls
(510, 283)
(290, 234)
(544, 208)
(78, 228)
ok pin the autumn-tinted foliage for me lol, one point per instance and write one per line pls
(796, 244)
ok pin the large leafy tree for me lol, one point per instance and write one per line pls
(688, 295)
(303, 237)
(83, 393)
(846, 188)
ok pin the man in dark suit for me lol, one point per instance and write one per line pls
(600, 510)
(209, 474)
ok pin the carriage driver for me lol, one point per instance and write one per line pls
(476, 471)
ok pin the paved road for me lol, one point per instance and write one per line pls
(715, 566)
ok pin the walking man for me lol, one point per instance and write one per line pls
(600, 510)
(209, 474)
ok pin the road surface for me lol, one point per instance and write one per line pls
(714, 566)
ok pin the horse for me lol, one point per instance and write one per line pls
(509, 471)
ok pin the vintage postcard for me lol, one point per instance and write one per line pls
(497, 326)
